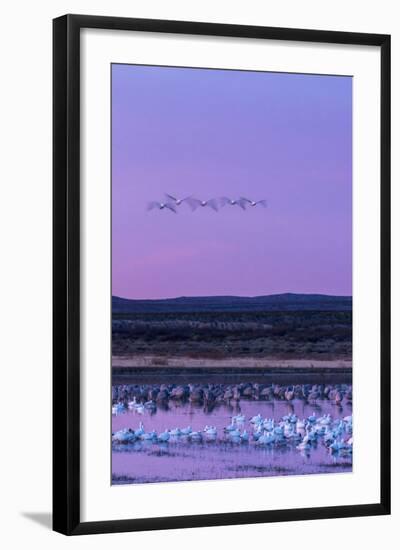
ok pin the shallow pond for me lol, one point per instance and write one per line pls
(182, 460)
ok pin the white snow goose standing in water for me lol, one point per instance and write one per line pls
(126, 435)
(139, 408)
(118, 408)
(210, 431)
(258, 419)
(186, 431)
(230, 428)
(266, 439)
(148, 436)
(132, 404)
(163, 437)
(140, 431)
(161, 206)
(196, 436)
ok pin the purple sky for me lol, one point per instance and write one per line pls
(281, 137)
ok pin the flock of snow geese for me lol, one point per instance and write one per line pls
(304, 434)
(172, 203)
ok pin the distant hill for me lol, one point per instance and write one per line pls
(275, 302)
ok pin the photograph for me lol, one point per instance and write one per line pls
(231, 260)
(198, 212)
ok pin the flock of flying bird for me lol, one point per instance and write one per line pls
(173, 203)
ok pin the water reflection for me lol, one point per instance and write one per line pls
(220, 457)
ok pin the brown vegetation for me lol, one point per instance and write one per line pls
(219, 335)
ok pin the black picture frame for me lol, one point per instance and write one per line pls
(66, 273)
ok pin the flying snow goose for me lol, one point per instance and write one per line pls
(250, 202)
(161, 206)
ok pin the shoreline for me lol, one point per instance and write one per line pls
(154, 363)
(125, 370)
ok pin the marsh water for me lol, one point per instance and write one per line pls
(180, 459)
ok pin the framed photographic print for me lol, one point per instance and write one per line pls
(221, 274)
